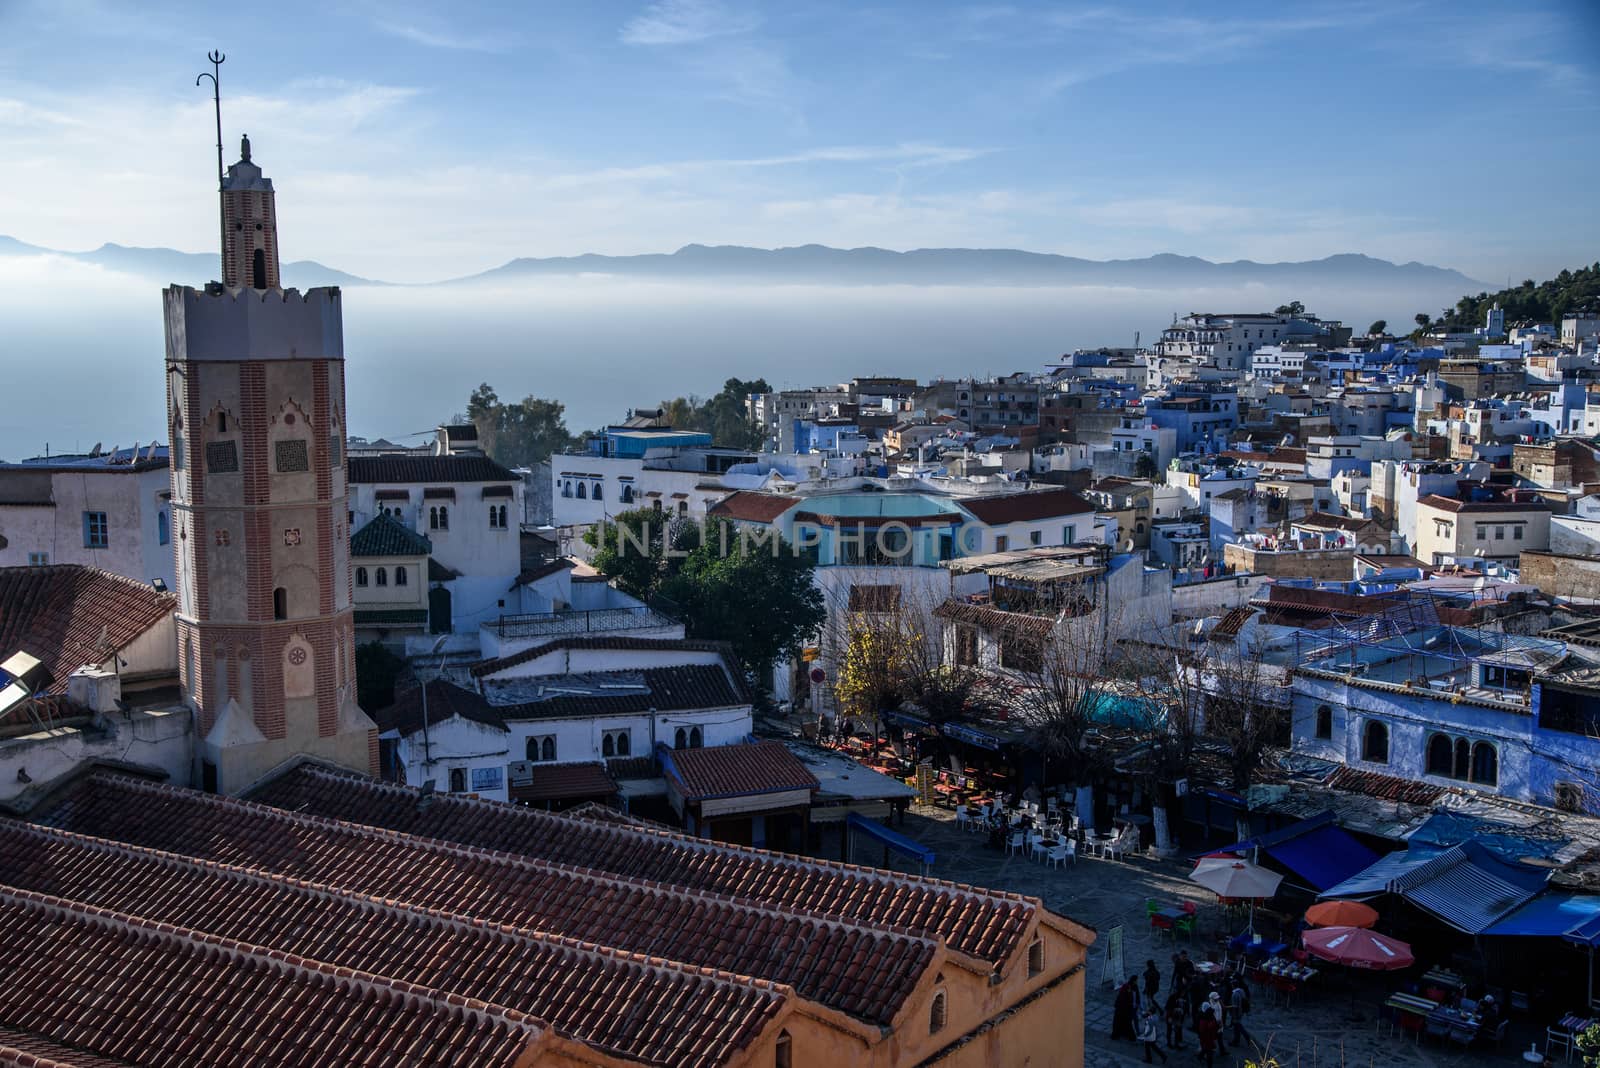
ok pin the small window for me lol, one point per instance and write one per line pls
(1324, 722)
(381, 577)
(458, 780)
(627, 493)
(163, 535)
(1035, 957)
(96, 532)
(1516, 533)
(1036, 537)
(624, 746)
(280, 603)
(433, 517)
(38, 559)
(399, 576)
(936, 1014)
(1485, 764)
(583, 491)
(444, 517)
(547, 748)
(1375, 742)
(599, 491)
(783, 1051)
(1440, 761)
(696, 739)
(361, 576)
(608, 746)
(680, 739)
(1001, 543)
(222, 422)
(683, 507)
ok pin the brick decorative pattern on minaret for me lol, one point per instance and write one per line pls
(257, 491)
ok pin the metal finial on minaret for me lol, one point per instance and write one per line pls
(216, 57)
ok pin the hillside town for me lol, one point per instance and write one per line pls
(901, 727)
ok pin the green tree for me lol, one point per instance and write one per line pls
(756, 595)
(1294, 307)
(1422, 319)
(1145, 466)
(724, 416)
(1378, 327)
(520, 434)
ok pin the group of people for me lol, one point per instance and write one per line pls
(1140, 1015)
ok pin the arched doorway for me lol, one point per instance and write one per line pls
(439, 610)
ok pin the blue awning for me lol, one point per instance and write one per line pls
(1445, 829)
(1375, 879)
(908, 847)
(1468, 887)
(1552, 915)
(1316, 849)
(1586, 933)
(971, 735)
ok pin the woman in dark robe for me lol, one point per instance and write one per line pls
(1124, 1011)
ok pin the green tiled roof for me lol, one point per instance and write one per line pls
(386, 536)
(392, 616)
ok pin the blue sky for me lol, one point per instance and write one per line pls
(414, 141)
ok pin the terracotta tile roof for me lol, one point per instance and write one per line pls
(981, 923)
(1450, 504)
(753, 507)
(59, 614)
(1232, 622)
(828, 957)
(1329, 521)
(393, 469)
(490, 667)
(562, 782)
(387, 536)
(736, 771)
(1026, 507)
(1383, 787)
(23, 1050)
(545, 570)
(151, 998)
(445, 700)
(665, 689)
(610, 1000)
(639, 767)
(987, 617)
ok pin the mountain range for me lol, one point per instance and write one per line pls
(822, 265)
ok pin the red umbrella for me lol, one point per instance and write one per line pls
(1357, 948)
(1341, 914)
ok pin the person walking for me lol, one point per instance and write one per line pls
(1209, 1034)
(1239, 1004)
(1152, 981)
(1124, 1010)
(1149, 1029)
(1177, 1009)
(1214, 1006)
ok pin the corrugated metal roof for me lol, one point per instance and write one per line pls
(1467, 888)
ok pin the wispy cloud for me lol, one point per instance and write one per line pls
(436, 37)
(902, 155)
(677, 22)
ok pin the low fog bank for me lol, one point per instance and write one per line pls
(82, 346)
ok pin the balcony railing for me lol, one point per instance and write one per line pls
(592, 621)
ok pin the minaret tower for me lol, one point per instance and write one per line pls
(256, 409)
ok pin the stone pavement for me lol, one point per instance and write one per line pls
(1316, 1031)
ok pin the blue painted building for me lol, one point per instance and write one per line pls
(1203, 419)
(1466, 707)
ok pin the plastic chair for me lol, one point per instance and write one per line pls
(1151, 906)
(963, 818)
(1558, 1037)
(1017, 843)
(1035, 845)
(1184, 925)
(1059, 854)
(1462, 1037)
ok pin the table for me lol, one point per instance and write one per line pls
(1442, 977)
(1242, 943)
(1288, 969)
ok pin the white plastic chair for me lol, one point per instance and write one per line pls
(1055, 856)
(1017, 843)
(1035, 845)
(963, 818)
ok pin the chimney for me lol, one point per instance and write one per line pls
(95, 688)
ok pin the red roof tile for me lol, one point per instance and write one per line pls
(987, 617)
(61, 613)
(753, 507)
(563, 782)
(978, 922)
(612, 1001)
(736, 771)
(1026, 507)
(1384, 787)
(861, 969)
(131, 990)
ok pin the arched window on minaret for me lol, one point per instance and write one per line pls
(258, 270)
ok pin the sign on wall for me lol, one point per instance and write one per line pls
(486, 779)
